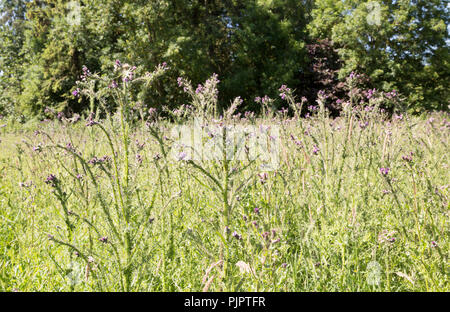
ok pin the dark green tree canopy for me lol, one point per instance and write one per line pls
(254, 46)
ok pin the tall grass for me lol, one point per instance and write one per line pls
(357, 203)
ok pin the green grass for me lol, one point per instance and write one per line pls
(328, 210)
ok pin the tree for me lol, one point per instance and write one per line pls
(398, 44)
(12, 27)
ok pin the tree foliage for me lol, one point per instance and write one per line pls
(254, 46)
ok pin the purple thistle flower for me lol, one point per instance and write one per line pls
(104, 240)
(52, 180)
(90, 121)
(263, 177)
(199, 89)
(257, 209)
(315, 150)
(93, 160)
(236, 235)
(75, 92)
(113, 85)
(408, 158)
(434, 244)
(117, 65)
(140, 146)
(139, 159)
(363, 125)
(182, 156)
(37, 148)
(384, 171)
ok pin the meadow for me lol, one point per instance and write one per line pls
(357, 202)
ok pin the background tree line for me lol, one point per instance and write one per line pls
(254, 46)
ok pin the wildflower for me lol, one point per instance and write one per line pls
(52, 180)
(140, 146)
(90, 121)
(104, 159)
(256, 210)
(236, 235)
(157, 157)
(315, 150)
(152, 112)
(70, 147)
(297, 142)
(37, 148)
(75, 92)
(363, 125)
(386, 236)
(117, 65)
(266, 235)
(283, 110)
(75, 118)
(25, 184)
(104, 239)
(263, 177)
(370, 93)
(113, 85)
(95, 160)
(182, 156)
(249, 114)
(408, 158)
(433, 244)
(284, 91)
(79, 176)
(255, 224)
(384, 171)
(199, 89)
(284, 265)
(139, 159)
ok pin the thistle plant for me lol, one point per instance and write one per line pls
(222, 163)
(125, 214)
